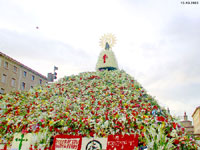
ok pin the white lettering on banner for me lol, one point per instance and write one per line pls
(66, 144)
(122, 142)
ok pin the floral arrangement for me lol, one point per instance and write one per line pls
(106, 59)
(90, 104)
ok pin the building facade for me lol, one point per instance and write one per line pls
(15, 76)
(196, 120)
(187, 124)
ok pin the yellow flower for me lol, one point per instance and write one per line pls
(163, 124)
(117, 116)
(67, 113)
(101, 119)
(51, 122)
(89, 119)
(145, 116)
(144, 130)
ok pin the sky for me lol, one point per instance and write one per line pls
(158, 42)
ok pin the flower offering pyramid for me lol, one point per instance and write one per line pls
(92, 104)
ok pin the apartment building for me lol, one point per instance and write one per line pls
(17, 76)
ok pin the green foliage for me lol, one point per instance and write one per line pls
(156, 138)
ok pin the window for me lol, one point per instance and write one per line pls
(23, 86)
(6, 64)
(13, 82)
(25, 73)
(3, 78)
(40, 81)
(15, 69)
(2, 91)
(33, 77)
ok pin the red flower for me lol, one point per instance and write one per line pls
(36, 94)
(142, 134)
(183, 129)
(174, 125)
(176, 141)
(107, 117)
(155, 107)
(91, 133)
(93, 77)
(57, 130)
(92, 112)
(160, 118)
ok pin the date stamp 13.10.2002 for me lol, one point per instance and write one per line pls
(190, 2)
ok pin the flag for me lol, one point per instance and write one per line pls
(55, 68)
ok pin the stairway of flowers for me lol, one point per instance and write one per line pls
(91, 104)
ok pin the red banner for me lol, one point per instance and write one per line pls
(117, 142)
(120, 142)
(3, 146)
(66, 142)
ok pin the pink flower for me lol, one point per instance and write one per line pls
(24, 131)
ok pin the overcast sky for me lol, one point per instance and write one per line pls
(158, 41)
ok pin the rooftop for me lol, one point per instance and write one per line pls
(22, 65)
